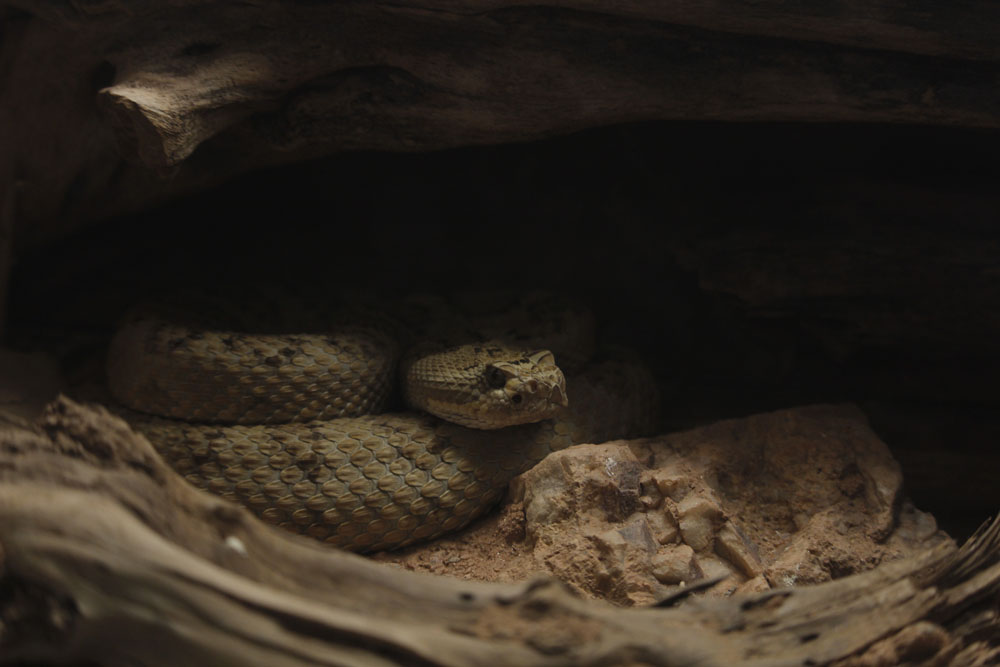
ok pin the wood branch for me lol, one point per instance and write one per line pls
(202, 90)
(109, 557)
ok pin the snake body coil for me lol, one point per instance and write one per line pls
(277, 421)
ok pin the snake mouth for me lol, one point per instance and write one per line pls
(540, 394)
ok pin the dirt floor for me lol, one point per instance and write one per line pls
(787, 498)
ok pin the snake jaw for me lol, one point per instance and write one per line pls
(541, 388)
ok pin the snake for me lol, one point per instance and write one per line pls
(292, 423)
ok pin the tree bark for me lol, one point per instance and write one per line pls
(109, 557)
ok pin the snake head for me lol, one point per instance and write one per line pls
(487, 386)
(527, 384)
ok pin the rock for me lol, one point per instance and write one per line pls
(675, 565)
(664, 527)
(734, 546)
(586, 522)
(602, 486)
(670, 483)
(786, 498)
(712, 567)
(698, 519)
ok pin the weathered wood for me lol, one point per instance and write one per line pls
(109, 557)
(203, 90)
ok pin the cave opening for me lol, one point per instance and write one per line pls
(754, 266)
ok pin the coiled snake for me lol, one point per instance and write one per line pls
(280, 422)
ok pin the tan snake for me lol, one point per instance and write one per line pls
(278, 422)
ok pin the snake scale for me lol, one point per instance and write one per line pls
(289, 424)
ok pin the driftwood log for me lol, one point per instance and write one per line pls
(108, 557)
(102, 100)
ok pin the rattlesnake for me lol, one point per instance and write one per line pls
(278, 422)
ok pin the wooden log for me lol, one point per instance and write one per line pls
(199, 91)
(108, 557)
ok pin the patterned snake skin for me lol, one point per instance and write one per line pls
(277, 421)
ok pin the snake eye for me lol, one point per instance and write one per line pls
(495, 377)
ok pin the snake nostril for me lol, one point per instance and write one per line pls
(516, 399)
(532, 386)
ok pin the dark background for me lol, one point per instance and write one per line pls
(754, 266)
